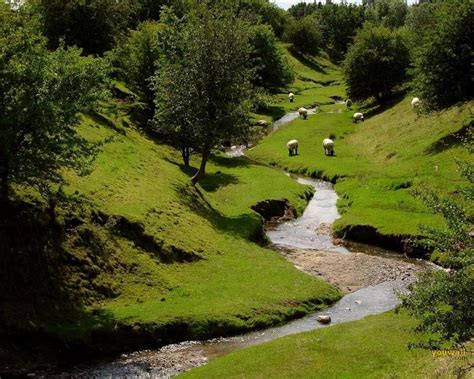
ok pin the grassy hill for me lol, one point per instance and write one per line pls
(379, 162)
(147, 258)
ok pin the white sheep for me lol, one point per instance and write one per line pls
(262, 123)
(292, 147)
(328, 146)
(303, 112)
(291, 96)
(349, 103)
(357, 117)
(415, 103)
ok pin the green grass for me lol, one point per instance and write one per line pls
(237, 284)
(375, 347)
(378, 162)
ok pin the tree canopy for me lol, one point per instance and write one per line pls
(43, 93)
(203, 85)
(376, 62)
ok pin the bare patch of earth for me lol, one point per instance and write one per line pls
(351, 272)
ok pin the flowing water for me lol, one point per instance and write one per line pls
(310, 232)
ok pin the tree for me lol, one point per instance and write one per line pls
(271, 67)
(42, 95)
(376, 62)
(136, 60)
(93, 25)
(339, 24)
(388, 13)
(443, 70)
(203, 87)
(442, 301)
(305, 35)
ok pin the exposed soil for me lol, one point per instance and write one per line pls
(351, 272)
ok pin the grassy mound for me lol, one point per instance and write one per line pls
(150, 255)
(374, 347)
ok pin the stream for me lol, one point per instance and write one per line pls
(369, 278)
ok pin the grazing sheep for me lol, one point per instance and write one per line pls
(292, 147)
(415, 103)
(291, 96)
(328, 146)
(303, 112)
(349, 103)
(357, 117)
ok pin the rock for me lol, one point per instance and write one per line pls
(262, 123)
(358, 302)
(337, 241)
(324, 319)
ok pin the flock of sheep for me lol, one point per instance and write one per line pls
(328, 143)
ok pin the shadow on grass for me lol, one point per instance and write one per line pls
(274, 111)
(247, 226)
(375, 108)
(47, 282)
(308, 62)
(212, 182)
(452, 139)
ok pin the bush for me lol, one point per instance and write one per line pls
(136, 59)
(305, 35)
(271, 67)
(443, 301)
(376, 62)
(443, 73)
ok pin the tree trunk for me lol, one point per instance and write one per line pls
(202, 168)
(186, 155)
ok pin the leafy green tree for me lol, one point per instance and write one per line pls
(136, 60)
(305, 35)
(267, 13)
(202, 89)
(443, 69)
(93, 25)
(443, 301)
(339, 24)
(388, 13)
(271, 67)
(376, 62)
(43, 93)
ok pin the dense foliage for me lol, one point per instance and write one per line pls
(388, 13)
(136, 60)
(93, 25)
(444, 73)
(270, 65)
(203, 84)
(305, 35)
(42, 95)
(376, 62)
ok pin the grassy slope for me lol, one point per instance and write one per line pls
(379, 159)
(374, 347)
(236, 283)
